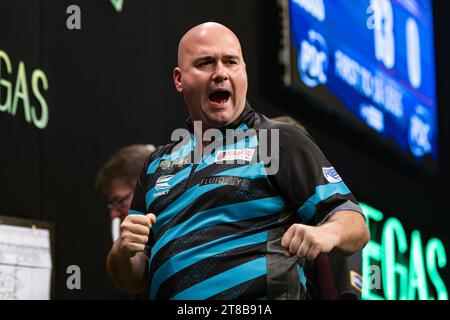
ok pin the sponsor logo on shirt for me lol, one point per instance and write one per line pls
(331, 175)
(159, 194)
(177, 163)
(231, 181)
(356, 280)
(236, 154)
(163, 183)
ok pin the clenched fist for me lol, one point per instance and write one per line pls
(134, 233)
(307, 241)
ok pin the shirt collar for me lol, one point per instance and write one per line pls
(246, 114)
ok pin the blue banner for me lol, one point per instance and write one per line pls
(377, 58)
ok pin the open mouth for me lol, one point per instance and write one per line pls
(219, 97)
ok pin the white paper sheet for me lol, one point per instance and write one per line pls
(25, 263)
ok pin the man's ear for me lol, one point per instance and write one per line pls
(177, 79)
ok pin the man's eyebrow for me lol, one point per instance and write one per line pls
(202, 59)
(232, 57)
(209, 58)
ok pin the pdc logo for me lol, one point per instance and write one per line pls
(420, 132)
(313, 60)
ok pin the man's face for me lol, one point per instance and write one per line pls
(119, 199)
(212, 75)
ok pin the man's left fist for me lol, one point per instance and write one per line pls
(307, 242)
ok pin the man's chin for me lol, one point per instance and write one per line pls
(213, 123)
(219, 118)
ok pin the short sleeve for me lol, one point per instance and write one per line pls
(307, 181)
(138, 205)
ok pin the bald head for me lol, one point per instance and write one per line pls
(211, 74)
(200, 33)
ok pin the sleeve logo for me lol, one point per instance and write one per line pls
(331, 175)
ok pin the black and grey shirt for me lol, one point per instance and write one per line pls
(220, 220)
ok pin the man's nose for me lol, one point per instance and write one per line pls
(220, 73)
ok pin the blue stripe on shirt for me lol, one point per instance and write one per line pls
(182, 202)
(323, 192)
(199, 253)
(301, 275)
(180, 153)
(224, 214)
(224, 281)
(251, 171)
(131, 212)
(176, 179)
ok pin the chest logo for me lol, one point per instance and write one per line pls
(163, 183)
(236, 154)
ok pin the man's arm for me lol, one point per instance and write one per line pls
(126, 273)
(345, 232)
(351, 230)
(127, 260)
(314, 190)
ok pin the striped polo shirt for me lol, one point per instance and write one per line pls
(220, 218)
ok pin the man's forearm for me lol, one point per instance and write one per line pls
(350, 230)
(127, 273)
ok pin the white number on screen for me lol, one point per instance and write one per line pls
(384, 32)
(413, 53)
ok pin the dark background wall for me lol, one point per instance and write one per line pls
(110, 85)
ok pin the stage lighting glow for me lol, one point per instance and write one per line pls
(407, 272)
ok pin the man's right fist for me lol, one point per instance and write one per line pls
(134, 233)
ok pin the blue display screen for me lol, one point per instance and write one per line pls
(376, 58)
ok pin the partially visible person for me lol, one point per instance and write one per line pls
(116, 180)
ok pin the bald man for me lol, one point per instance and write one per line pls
(223, 227)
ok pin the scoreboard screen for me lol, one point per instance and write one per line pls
(373, 60)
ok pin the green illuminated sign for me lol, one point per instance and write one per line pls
(407, 273)
(13, 96)
(117, 4)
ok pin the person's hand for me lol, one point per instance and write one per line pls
(134, 233)
(307, 242)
